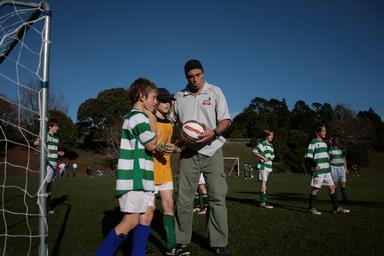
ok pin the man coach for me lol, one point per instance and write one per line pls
(207, 104)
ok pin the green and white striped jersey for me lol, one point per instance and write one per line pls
(336, 156)
(135, 165)
(53, 150)
(318, 151)
(265, 149)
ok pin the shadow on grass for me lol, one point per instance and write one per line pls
(113, 217)
(278, 199)
(60, 236)
(110, 220)
(158, 227)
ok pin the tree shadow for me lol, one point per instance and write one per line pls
(158, 226)
(110, 220)
(58, 201)
(60, 236)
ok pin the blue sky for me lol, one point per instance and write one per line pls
(317, 51)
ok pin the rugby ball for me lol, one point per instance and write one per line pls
(192, 130)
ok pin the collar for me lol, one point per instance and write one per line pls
(186, 90)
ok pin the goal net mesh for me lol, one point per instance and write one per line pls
(22, 30)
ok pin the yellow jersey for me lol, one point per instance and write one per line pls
(161, 162)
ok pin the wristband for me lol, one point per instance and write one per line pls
(216, 134)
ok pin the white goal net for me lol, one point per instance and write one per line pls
(24, 61)
(232, 166)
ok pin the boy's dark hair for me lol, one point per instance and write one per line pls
(266, 133)
(140, 86)
(52, 122)
(317, 127)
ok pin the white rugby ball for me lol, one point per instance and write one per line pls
(192, 130)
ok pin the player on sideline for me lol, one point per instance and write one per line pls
(162, 166)
(317, 157)
(53, 153)
(201, 193)
(265, 152)
(338, 164)
(134, 177)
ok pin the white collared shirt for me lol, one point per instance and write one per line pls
(208, 107)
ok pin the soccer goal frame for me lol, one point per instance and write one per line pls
(236, 163)
(42, 10)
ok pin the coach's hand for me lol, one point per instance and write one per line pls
(207, 136)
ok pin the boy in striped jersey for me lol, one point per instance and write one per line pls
(134, 177)
(53, 153)
(338, 164)
(265, 152)
(317, 157)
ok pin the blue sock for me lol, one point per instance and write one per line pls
(110, 244)
(139, 241)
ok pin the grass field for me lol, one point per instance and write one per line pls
(85, 210)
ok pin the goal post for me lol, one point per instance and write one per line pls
(25, 41)
(232, 164)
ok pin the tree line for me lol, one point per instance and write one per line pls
(359, 132)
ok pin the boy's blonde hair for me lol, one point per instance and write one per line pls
(266, 133)
(141, 86)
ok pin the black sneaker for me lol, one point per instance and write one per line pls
(178, 250)
(171, 251)
(222, 251)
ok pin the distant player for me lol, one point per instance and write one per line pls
(201, 195)
(53, 153)
(134, 177)
(339, 168)
(265, 152)
(317, 157)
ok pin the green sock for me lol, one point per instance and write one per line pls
(205, 200)
(169, 226)
(344, 193)
(312, 201)
(335, 202)
(263, 197)
(197, 203)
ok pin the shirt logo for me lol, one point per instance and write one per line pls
(207, 101)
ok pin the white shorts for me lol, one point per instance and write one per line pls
(263, 175)
(201, 179)
(338, 174)
(164, 186)
(50, 174)
(323, 179)
(136, 201)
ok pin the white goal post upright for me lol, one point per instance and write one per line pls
(236, 163)
(42, 11)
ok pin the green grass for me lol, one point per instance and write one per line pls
(85, 210)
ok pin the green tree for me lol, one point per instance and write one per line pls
(303, 117)
(94, 116)
(378, 125)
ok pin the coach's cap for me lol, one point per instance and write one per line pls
(192, 64)
(163, 95)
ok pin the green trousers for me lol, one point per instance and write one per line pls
(191, 164)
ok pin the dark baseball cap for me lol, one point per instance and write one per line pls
(192, 64)
(163, 95)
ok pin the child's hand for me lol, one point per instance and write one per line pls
(317, 168)
(61, 153)
(36, 142)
